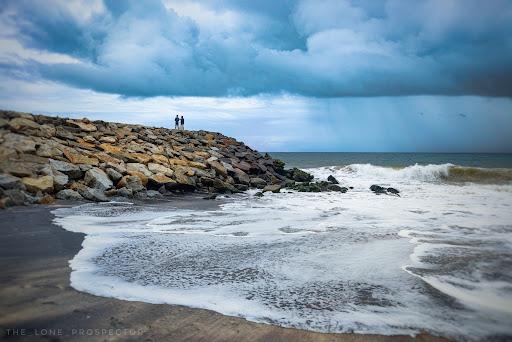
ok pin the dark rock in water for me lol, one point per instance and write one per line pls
(393, 191)
(210, 197)
(258, 194)
(299, 175)
(307, 187)
(334, 187)
(332, 180)
(377, 188)
(351, 187)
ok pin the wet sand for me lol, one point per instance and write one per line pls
(37, 301)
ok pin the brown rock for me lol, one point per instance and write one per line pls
(132, 183)
(139, 168)
(197, 165)
(78, 158)
(175, 161)
(183, 176)
(160, 159)
(108, 139)
(161, 179)
(21, 168)
(241, 177)
(137, 157)
(21, 124)
(46, 199)
(111, 149)
(157, 168)
(89, 139)
(244, 166)
(84, 144)
(143, 178)
(86, 127)
(43, 184)
(219, 168)
(18, 142)
(49, 150)
(46, 131)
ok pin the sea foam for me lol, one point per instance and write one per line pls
(436, 259)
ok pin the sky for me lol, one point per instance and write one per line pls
(288, 75)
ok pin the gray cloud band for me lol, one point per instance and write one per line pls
(318, 49)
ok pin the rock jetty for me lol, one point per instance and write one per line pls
(43, 158)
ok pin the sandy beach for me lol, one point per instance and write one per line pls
(36, 297)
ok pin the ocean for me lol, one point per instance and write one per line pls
(436, 259)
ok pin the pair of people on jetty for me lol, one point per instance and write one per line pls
(179, 123)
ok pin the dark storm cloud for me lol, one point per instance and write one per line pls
(318, 48)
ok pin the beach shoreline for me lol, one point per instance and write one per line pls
(37, 299)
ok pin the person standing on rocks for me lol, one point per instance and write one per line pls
(182, 123)
(176, 122)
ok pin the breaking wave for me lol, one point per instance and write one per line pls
(429, 173)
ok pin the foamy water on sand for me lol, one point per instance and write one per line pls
(438, 258)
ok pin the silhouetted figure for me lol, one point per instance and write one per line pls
(182, 123)
(176, 122)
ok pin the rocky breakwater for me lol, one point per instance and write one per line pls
(43, 158)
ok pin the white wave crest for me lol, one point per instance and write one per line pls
(426, 173)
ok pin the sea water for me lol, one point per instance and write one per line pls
(436, 259)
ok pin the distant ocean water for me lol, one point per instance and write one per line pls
(437, 259)
(317, 159)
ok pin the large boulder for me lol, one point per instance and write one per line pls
(131, 182)
(125, 192)
(221, 186)
(258, 182)
(244, 166)
(73, 171)
(76, 157)
(34, 185)
(68, 194)
(95, 195)
(299, 176)
(160, 179)
(97, 179)
(18, 142)
(60, 180)
(114, 175)
(332, 180)
(219, 168)
(241, 177)
(138, 167)
(21, 124)
(157, 168)
(10, 182)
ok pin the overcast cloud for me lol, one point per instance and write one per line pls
(317, 48)
(283, 75)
